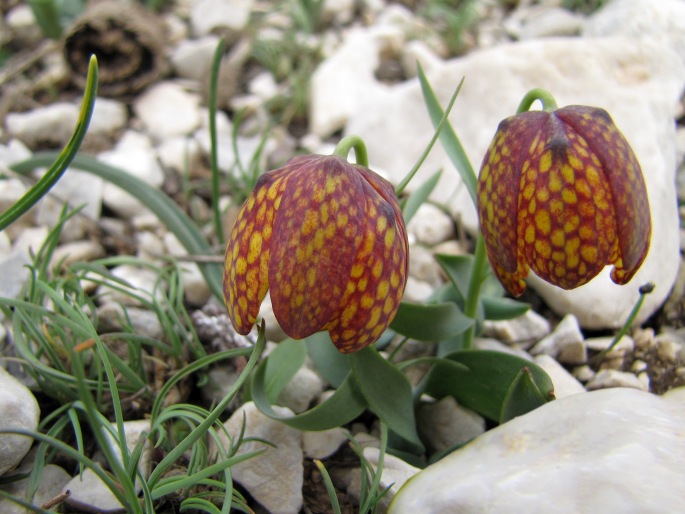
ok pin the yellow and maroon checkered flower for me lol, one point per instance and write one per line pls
(562, 193)
(328, 239)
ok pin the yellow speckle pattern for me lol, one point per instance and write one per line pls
(328, 239)
(567, 200)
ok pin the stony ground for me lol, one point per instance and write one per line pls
(295, 81)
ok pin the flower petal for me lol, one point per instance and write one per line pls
(498, 194)
(378, 275)
(247, 252)
(625, 180)
(317, 232)
(567, 228)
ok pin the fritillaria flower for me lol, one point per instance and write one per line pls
(562, 193)
(327, 238)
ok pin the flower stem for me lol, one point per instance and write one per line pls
(546, 99)
(347, 143)
(473, 294)
(644, 291)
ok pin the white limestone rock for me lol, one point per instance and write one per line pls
(617, 450)
(638, 82)
(322, 444)
(445, 423)
(527, 328)
(275, 477)
(192, 58)
(566, 340)
(608, 378)
(51, 484)
(135, 155)
(207, 16)
(167, 110)
(300, 392)
(564, 383)
(19, 410)
(430, 225)
(52, 124)
(394, 475)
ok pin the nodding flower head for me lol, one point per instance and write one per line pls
(327, 238)
(562, 193)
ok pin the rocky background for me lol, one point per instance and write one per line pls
(296, 83)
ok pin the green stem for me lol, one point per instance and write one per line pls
(644, 291)
(347, 143)
(214, 158)
(548, 102)
(473, 293)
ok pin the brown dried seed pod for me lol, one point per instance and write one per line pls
(127, 40)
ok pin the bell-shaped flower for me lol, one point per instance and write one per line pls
(328, 240)
(562, 193)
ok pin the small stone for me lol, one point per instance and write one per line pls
(275, 477)
(638, 366)
(484, 343)
(109, 117)
(192, 58)
(207, 16)
(144, 322)
(644, 339)
(90, 494)
(565, 337)
(168, 110)
(51, 125)
(53, 480)
(526, 328)
(141, 282)
(134, 430)
(422, 266)
(669, 351)
(77, 251)
(608, 378)
(179, 154)
(323, 444)
(599, 344)
(445, 424)
(565, 384)
(430, 225)
(301, 391)
(135, 155)
(394, 475)
(19, 410)
(417, 290)
(583, 373)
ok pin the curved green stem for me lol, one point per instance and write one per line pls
(347, 143)
(473, 294)
(548, 102)
(644, 291)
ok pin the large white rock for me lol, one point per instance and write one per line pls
(616, 450)
(18, 411)
(275, 477)
(638, 81)
(215, 15)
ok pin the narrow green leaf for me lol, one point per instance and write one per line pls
(60, 162)
(430, 322)
(328, 361)
(177, 221)
(503, 308)
(346, 404)
(387, 391)
(448, 137)
(484, 387)
(419, 196)
(281, 366)
(523, 396)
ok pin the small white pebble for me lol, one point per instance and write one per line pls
(583, 373)
(668, 351)
(638, 366)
